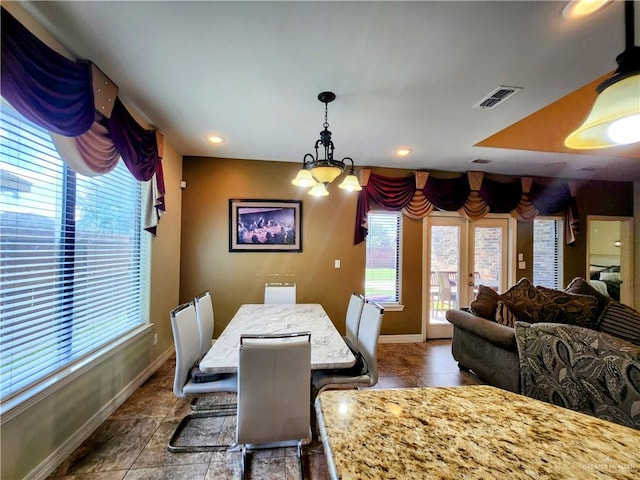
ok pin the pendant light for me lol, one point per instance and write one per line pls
(615, 117)
(317, 172)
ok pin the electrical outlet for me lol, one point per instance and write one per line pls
(336, 264)
(155, 338)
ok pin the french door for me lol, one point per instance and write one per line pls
(459, 256)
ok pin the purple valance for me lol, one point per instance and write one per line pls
(390, 193)
(456, 194)
(501, 197)
(549, 199)
(44, 86)
(77, 104)
(447, 193)
(138, 146)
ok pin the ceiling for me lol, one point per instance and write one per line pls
(404, 73)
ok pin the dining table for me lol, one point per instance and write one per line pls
(328, 348)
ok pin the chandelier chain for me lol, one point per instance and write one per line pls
(326, 116)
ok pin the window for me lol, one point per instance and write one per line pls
(382, 277)
(547, 252)
(73, 258)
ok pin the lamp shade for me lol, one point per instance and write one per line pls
(350, 183)
(325, 174)
(319, 190)
(303, 179)
(614, 110)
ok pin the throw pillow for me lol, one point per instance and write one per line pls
(526, 297)
(505, 316)
(574, 309)
(580, 286)
(622, 321)
(485, 303)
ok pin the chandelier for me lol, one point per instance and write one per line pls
(615, 116)
(316, 172)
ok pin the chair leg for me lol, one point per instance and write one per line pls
(300, 462)
(228, 407)
(173, 448)
(243, 464)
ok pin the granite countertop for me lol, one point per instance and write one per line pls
(470, 432)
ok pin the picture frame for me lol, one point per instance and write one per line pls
(265, 225)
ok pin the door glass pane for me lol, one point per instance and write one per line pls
(445, 261)
(487, 254)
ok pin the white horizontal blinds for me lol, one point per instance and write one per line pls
(547, 252)
(70, 249)
(382, 282)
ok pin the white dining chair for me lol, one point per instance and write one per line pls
(367, 375)
(280, 293)
(273, 392)
(205, 317)
(204, 314)
(186, 337)
(352, 319)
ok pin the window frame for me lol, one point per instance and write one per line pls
(16, 400)
(397, 304)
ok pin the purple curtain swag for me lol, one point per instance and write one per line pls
(472, 195)
(58, 94)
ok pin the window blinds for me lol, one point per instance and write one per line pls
(547, 252)
(73, 262)
(382, 282)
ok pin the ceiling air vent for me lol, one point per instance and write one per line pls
(480, 160)
(498, 96)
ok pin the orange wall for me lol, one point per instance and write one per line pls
(327, 235)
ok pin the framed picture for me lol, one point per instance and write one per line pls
(265, 225)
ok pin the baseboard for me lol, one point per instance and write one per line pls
(45, 468)
(412, 338)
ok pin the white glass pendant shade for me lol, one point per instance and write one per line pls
(626, 130)
(350, 183)
(304, 179)
(319, 190)
(325, 174)
(615, 112)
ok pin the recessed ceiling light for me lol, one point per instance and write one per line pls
(582, 8)
(403, 152)
(215, 139)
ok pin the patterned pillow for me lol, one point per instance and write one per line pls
(620, 320)
(522, 293)
(528, 298)
(574, 309)
(580, 286)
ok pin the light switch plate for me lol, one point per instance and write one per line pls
(337, 264)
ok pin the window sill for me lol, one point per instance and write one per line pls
(32, 395)
(392, 307)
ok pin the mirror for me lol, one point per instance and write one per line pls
(610, 256)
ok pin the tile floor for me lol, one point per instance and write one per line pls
(132, 443)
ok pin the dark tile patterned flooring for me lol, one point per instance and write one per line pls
(132, 443)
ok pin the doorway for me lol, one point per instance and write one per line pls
(610, 256)
(459, 256)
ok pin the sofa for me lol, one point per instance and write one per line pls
(575, 348)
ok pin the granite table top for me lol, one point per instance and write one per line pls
(328, 349)
(468, 432)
